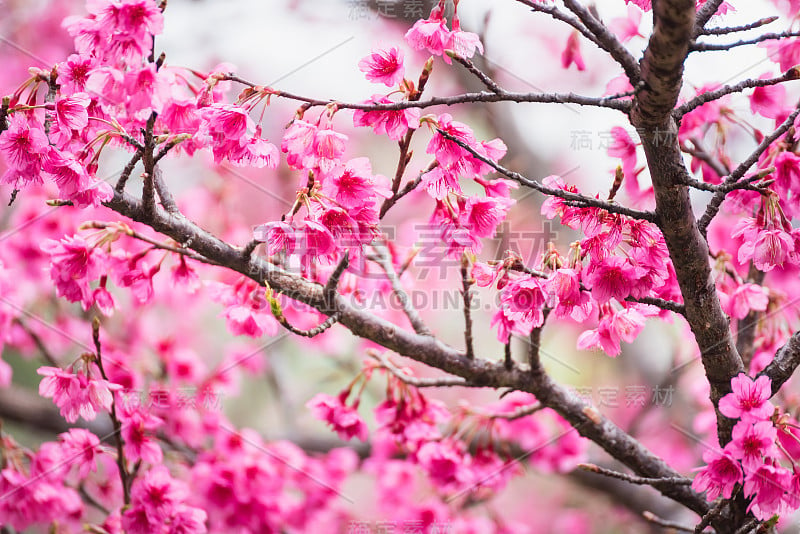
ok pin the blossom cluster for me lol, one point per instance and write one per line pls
(750, 461)
(410, 423)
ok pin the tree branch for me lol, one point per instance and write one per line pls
(662, 73)
(582, 200)
(704, 14)
(713, 47)
(742, 28)
(425, 349)
(783, 365)
(709, 96)
(483, 96)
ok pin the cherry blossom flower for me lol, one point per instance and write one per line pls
(749, 399)
(523, 300)
(74, 73)
(279, 236)
(768, 101)
(483, 215)
(158, 503)
(24, 146)
(753, 441)
(383, 66)
(353, 185)
(81, 448)
(138, 427)
(786, 52)
(447, 464)
(71, 111)
(430, 34)
(463, 44)
(719, 476)
(572, 301)
(766, 486)
(613, 277)
(394, 124)
(744, 298)
(77, 394)
(627, 27)
(572, 52)
(344, 420)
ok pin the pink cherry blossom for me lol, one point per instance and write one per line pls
(74, 73)
(138, 429)
(572, 52)
(612, 277)
(71, 111)
(523, 300)
(744, 298)
(483, 215)
(446, 463)
(430, 34)
(753, 441)
(77, 394)
(766, 486)
(768, 101)
(343, 419)
(749, 399)
(81, 448)
(24, 146)
(627, 27)
(383, 66)
(394, 124)
(353, 185)
(719, 476)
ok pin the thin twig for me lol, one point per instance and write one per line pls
(699, 152)
(466, 283)
(704, 14)
(653, 518)
(483, 96)
(313, 332)
(712, 515)
(508, 361)
(709, 96)
(478, 73)
(125, 476)
(445, 381)
(742, 28)
(126, 172)
(745, 529)
(520, 412)
(127, 230)
(560, 193)
(536, 341)
(409, 187)
(633, 479)
(167, 200)
(713, 47)
(329, 291)
(382, 258)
